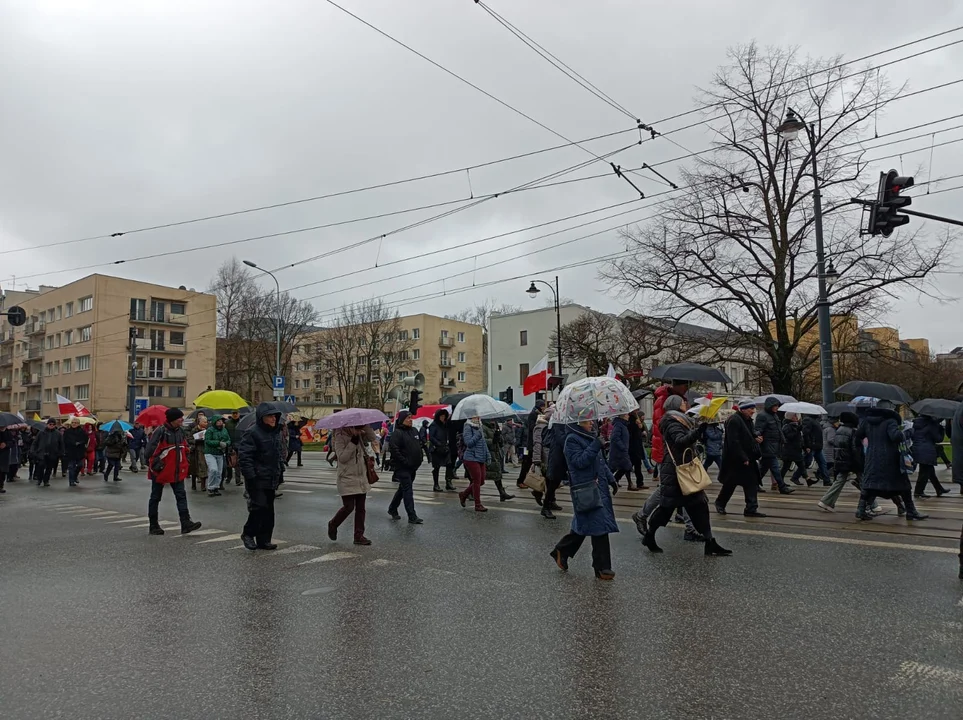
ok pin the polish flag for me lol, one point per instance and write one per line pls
(67, 407)
(537, 379)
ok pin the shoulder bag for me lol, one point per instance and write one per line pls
(586, 497)
(692, 476)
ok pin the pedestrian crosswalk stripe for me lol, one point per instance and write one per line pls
(232, 536)
(299, 492)
(381, 562)
(910, 671)
(162, 523)
(295, 549)
(66, 506)
(113, 518)
(133, 518)
(80, 511)
(207, 531)
(275, 541)
(103, 515)
(329, 557)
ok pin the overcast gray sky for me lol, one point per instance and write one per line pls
(120, 114)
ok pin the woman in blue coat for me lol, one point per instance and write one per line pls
(586, 464)
(620, 461)
(927, 435)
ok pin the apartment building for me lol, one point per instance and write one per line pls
(75, 343)
(449, 353)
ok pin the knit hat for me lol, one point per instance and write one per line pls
(402, 415)
(747, 404)
(173, 414)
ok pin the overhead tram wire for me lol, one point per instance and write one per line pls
(484, 164)
(558, 173)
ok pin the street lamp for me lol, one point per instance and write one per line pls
(533, 292)
(825, 275)
(277, 360)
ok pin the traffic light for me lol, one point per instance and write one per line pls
(884, 216)
(414, 401)
(507, 396)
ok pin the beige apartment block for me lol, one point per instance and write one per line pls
(76, 344)
(449, 353)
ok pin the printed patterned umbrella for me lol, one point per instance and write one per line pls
(593, 398)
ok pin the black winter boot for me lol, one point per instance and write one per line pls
(449, 487)
(155, 528)
(714, 549)
(188, 525)
(502, 495)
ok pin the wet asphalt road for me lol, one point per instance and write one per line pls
(463, 617)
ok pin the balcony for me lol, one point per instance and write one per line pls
(148, 345)
(446, 341)
(6, 359)
(6, 337)
(34, 353)
(32, 406)
(34, 328)
(31, 380)
(445, 362)
(447, 382)
(142, 316)
(4, 383)
(176, 319)
(176, 373)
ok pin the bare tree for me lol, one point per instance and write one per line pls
(736, 250)
(480, 314)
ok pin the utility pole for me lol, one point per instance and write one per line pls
(132, 386)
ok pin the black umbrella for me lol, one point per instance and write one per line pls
(836, 409)
(453, 400)
(693, 372)
(639, 394)
(8, 419)
(37, 424)
(284, 407)
(250, 418)
(936, 408)
(881, 391)
(208, 412)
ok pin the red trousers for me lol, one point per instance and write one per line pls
(91, 464)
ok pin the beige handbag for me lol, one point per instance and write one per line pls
(535, 480)
(692, 475)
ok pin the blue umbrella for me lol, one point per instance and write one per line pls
(114, 423)
(518, 408)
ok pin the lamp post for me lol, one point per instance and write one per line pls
(277, 360)
(826, 274)
(533, 292)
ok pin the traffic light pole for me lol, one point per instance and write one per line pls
(928, 216)
(828, 382)
(132, 387)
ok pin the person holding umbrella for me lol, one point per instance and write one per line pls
(680, 433)
(406, 457)
(115, 447)
(740, 461)
(353, 477)
(475, 459)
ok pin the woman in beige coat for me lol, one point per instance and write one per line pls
(349, 448)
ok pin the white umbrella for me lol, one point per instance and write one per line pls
(481, 406)
(783, 399)
(803, 408)
(593, 398)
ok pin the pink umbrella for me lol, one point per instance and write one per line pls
(352, 417)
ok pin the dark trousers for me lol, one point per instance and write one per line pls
(717, 459)
(291, 453)
(43, 471)
(437, 463)
(404, 493)
(637, 469)
(771, 465)
(601, 553)
(749, 489)
(619, 474)
(74, 468)
(799, 472)
(552, 483)
(352, 504)
(526, 466)
(157, 490)
(928, 474)
(112, 464)
(260, 514)
(698, 509)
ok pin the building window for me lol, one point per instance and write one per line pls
(60, 311)
(297, 384)
(329, 382)
(461, 376)
(444, 374)
(746, 378)
(523, 338)
(307, 349)
(402, 374)
(177, 338)
(499, 368)
(402, 334)
(49, 342)
(461, 357)
(68, 337)
(362, 379)
(69, 310)
(416, 334)
(178, 309)
(86, 304)
(56, 367)
(57, 340)
(403, 355)
(155, 390)
(176, 364)
(138, 309)
(83, 363)
(85, 334)
(177, 391)
(66, 368)
(48, 369)
(48, 395)
(157, 339)
(82, 392)
(50, 315)
(461, 337)
(522, 373)
(329, 399)
(155, 368)
(416, 354)
(307, 384)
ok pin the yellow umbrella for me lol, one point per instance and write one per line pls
(37, 417)
(220, 400)
(82, 419)
(709, 410)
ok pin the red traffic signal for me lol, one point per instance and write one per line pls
(884, 215)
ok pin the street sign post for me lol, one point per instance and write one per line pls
(278, 387)
(290, 399)
(140, 404)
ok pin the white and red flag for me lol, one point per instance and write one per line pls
(537, 379)
(68, 407)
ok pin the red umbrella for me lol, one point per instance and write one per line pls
(153, 416)
(427, 412)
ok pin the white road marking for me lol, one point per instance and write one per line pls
(205, 531)
(163, 523)
(911, 671)
(220, 539)
(295, 549)
(381, 562)
(103, 514)
(292, 490)
(241, 547)
(113, 518)
(134, 518)
(84, 511)
(329, 557)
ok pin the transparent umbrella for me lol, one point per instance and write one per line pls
(481, 406)
(593, 398)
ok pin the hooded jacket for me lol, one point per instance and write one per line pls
(847, 452)
(352, 460)
(770, 427)
(214, 437)
(48, 445)
(792, 441)
(138, 439)
(406, 452)
(680, 434)
(583, 454)
(439, 438)
(882, 466)
(259, 451)
(230, 424)
(539, 448)
(714, 440)
(927, 433)
(115, 446)
(812, 433)
(557, 464)
(171, 463)
(619, 458)
(636, 440)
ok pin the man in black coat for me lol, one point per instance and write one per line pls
(530, 442)
(740, 456)
(259, 459)
(46, 450)
(75, 450)
(438, 451)
(812, 430)
(768, 426)
(406, 457)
